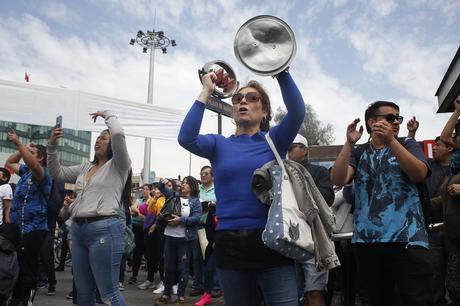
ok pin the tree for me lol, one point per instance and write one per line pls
(311, 129)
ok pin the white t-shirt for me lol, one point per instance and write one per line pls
(5, 194)
(179, 230)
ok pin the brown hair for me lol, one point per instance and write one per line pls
(265, 123)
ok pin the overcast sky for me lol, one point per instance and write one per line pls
(349, 53)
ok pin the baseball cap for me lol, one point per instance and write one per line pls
(300, 139)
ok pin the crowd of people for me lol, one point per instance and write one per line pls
(212, 227)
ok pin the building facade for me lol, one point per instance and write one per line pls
(74, 147)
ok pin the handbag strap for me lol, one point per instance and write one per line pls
(275, 152)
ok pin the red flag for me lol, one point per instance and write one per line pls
(26, 77)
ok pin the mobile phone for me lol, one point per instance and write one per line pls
(59, 121)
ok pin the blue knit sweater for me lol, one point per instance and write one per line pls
(235, 158)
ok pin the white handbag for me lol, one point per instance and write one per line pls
(287, 230)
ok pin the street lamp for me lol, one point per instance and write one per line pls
(150, 41)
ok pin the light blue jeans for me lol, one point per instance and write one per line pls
(276, 286)
(97, 248)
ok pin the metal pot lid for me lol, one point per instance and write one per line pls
(265, 45)
(228, 82)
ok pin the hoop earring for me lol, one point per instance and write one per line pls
(264, 120)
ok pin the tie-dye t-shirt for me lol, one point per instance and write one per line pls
(387, 204)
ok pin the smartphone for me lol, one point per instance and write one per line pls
(59, 121)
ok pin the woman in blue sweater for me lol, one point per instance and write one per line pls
(244, 262)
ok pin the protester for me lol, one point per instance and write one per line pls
(103, 188)
(244, 262)
(6, 194)
(206, 278)
(138, 225)
(314, 281)
(29, 212)
(153, 240)
(390, 240)
(450, 193)
(180, 233)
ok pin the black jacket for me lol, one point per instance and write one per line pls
(322, 180)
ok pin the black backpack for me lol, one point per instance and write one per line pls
(422, 187)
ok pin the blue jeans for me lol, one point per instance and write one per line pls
(97, 248)
(277, 286)
(177, 262)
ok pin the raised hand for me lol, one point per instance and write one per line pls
(208, 81)
(412, 127)
(13, 137)
(354, 135)
(56, 134)
(96, 114)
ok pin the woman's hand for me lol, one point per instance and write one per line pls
(354, 135)
(453, 189)
(56, 134)
(151, 229)
(209, 84)
(175, 220)
(97, 114)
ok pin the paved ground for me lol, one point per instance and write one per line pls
(132, 295)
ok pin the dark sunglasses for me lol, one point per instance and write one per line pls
(390, 118)
(251, 96)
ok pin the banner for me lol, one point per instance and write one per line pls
(40, 105)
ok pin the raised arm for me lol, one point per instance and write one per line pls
(120, 151)
(65, 174)
(189, 137)
(285, 132)
(25, 152)
(412, 127)
(342, 172)
(446, 134)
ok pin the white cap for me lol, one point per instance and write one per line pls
(300, 139)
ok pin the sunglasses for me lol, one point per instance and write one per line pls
(251, 96)
(391, 118)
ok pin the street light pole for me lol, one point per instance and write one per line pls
(151, 40)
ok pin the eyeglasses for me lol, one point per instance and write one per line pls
(251, 96)
(390, 118)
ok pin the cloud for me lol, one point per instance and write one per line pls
(384, 7)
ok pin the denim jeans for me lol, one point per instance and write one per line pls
(439, 253)
(277, 286)
(177, 262)
(97, 249)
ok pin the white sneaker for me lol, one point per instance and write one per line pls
(174, 289)
(145, 285)
(159, 289)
